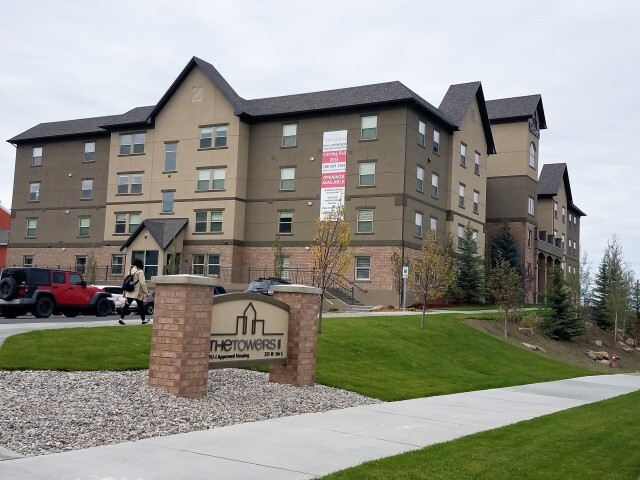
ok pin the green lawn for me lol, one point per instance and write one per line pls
(595, 441)
(386, 357)
(391, 358)
(95, 348)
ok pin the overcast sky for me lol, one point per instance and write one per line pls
(76, 59)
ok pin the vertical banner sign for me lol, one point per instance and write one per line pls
(334, 171)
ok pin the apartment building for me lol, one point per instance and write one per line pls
(206, 179)
(538, 209)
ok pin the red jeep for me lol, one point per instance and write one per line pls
(47, 291)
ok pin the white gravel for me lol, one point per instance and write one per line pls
(47, 412)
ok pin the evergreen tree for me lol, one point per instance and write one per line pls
(504, 245)
(560, 322)
(469, 278)
(600, 292)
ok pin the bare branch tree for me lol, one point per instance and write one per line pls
(329, 254)
(506, 288)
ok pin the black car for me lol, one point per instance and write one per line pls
(263, 285)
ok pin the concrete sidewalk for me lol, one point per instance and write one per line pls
(307, 446)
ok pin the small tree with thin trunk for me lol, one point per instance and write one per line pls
(505, 287)
(330, 252)
(91, 270)
(278, 257)
(432, 273)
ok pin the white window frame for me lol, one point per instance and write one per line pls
(289, 135)
(461, 195)
(131, 181)
(463, 155)
(436, 142)
(362, 268)
(171, 157)
(433, 224)
(32, 228)
(532, 155)
(420, 179)
(476, 201)
(128, 222)
(168, 199)
(417, 232)
(213, 178)
(476, 163)
(84, 226)
(86, 189)
(364, 223)
(367, 174)
(288, 178)
(212, 220)
(369, 127)
(460, 235)
(34, 191)
(214, 136)
(435, 180)
(422, 131)
(117, 264)
(531, 208)
(89, 152)
(285, 223)
(36, 157)
(132, 143)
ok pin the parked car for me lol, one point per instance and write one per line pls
(46, 291)
(114, 291)
(263, 285)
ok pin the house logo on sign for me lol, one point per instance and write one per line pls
(247, 329)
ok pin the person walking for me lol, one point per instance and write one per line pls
(139, 293)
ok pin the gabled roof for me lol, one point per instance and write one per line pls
(552, 176)
(163, 231)
(456, 104)
(67, 128)
(213, 75)
(517, 108)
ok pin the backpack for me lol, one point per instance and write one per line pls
(129, 284)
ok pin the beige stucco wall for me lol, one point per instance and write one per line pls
(512, 144)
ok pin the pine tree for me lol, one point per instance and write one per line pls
(601, 291)
(560, 322)
(504, 245)
(469, 278)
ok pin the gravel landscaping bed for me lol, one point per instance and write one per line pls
(47, 412)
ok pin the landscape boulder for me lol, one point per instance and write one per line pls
(631, 342)
(598, 343)
(528, 331)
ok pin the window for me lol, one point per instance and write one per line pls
(460, 235)
(570, 218)
(418, 225)
(211, 179)
(132, 143)
(167, 201)
(89, 151)
(84, 223)
(563, 214)
(422, 129)
(369, 130)
(287, 178)
(476, 199)
(474, 239)
(367, 174)
(434, 185)
(433, 224)
(27, 261)
(285, 222)
(211, 268)
(129, 184)
(529, 238)
(436, 142)
(170, 156)
(532, 207)
(532, 155)
(420, 179)
(81, 266)
(34, 191)
(36, 158)
(127, 222)
(32, 227)
(213, 137)
(289, 133)
(363, 268)
(117, 261)
(461, 196)
(365, 221)
(463, 155)
(555, 209)
(563, 240)
(210, 222)
(86, 188)
(150, 260)
(476, 164)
